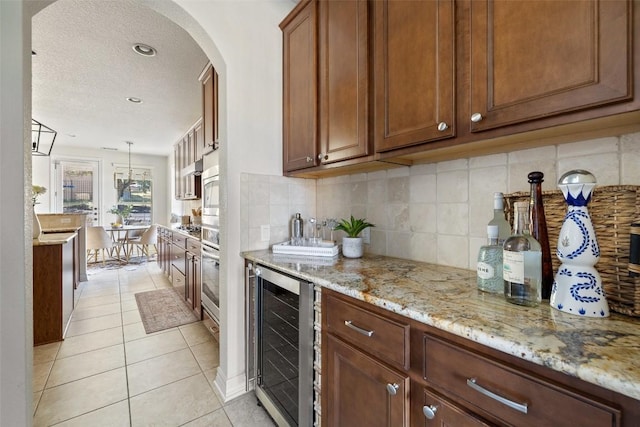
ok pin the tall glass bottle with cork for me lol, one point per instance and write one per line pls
(539, 230)
(522, 262)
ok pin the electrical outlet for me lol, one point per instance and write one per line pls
(366, 236)
(265, 233)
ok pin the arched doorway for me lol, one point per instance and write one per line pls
(247, 34)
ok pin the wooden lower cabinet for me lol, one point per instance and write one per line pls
(449, 380)
(439, 411)
(362, 391)
(194, 277)
(53, 290)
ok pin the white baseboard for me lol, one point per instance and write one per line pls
(229, 389)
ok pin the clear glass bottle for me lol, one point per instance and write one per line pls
(504, 229)
(522, 262)
(489, 267)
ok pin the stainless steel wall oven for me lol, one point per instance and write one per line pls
(210, 237)
(283, 346)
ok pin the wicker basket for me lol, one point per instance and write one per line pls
(612, 209)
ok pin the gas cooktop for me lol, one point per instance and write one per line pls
(192, 230)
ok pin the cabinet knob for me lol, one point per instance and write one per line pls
(393, 389)
(309, 159)
(323, 156)
(429, 411)
(476, 117)
(442, 126)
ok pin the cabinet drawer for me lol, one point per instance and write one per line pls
(526, 400)
(380, 336)
(179, 240)
(194, 246)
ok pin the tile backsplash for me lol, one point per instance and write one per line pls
(431, 212)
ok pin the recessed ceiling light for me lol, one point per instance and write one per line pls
(70, 135)
(134, 100)
(144, 50)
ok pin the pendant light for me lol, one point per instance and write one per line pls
(129, 180)
(42, 139)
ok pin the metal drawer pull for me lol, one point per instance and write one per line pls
(348, 324)
(392, 388)
(522, 407)
(429, 411)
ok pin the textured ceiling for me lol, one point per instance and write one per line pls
(85, 68)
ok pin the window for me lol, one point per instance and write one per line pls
(134, 189)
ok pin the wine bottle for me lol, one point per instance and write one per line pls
(539, 230)
(522, 262)
(489, 267)
(504, 229)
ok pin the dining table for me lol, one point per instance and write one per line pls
(120, 236)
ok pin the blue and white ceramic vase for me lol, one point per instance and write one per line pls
(577, 287)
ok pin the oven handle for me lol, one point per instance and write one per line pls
(210, 253)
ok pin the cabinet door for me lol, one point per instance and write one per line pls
(430, 409)
(532, 59)
(189, 292)
(197, 287)
(177, 175)
(209, 82)
(198, 141)
(344, 81)
(414, 72)
(178, 281)
(361, 391)
(299, 89)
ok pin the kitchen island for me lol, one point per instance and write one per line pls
(603, 352)
(54, 267)
(69, 223)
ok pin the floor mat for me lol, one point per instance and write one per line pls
(163, 309)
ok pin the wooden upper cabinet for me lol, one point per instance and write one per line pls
(344, 80)
(177, 176)
(299, 88)
(198, 140)
(414, 72)
(532, 59)
(209, 81)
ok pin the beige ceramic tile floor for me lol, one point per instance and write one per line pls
(109, 372)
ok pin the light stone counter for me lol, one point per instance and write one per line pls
(605, 352)
(53, 239)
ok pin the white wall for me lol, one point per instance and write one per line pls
(16, 290)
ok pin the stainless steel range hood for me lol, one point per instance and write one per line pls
(192, 169)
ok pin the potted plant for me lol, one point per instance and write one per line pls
(123, 212)
(36, 191)
(352, 243)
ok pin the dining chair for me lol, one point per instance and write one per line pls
(142, 242)
(98, 239)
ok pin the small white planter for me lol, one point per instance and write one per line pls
(352, 247)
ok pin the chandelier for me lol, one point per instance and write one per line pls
(42, 139)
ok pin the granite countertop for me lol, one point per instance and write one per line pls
(61, 229)
(605, 352)
(53, 239)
